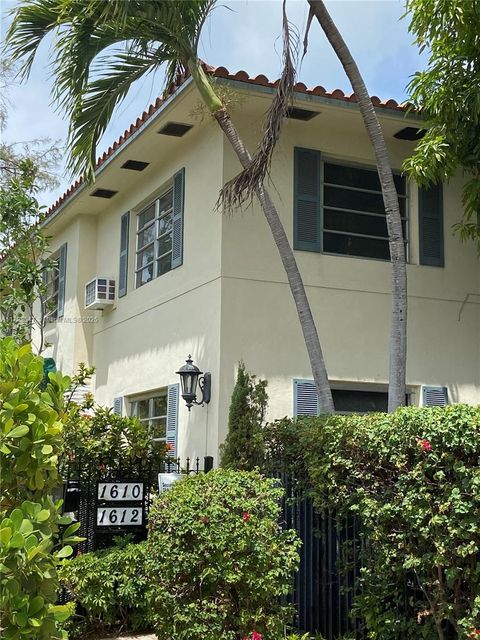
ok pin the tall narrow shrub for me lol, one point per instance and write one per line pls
(243, 448)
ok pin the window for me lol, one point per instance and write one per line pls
(154, 239)
(159, 411)
(153, 412)
(345, 400)
(339, 208)
(54, 280)
(159, 235)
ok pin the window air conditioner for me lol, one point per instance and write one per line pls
(99, 293)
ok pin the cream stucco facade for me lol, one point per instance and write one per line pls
(229, 300)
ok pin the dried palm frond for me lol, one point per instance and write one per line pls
(243, 186)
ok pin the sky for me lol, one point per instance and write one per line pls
(241, 34)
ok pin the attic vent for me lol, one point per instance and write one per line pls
(177, 129)
(135, 165)
(434, 396)
(409, 133)
(300, 114)
(103, 193)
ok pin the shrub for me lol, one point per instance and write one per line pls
(30, 549)
(243, 447)
(413, 477)
(217, 558)
(110, 586)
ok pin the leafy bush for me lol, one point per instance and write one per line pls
(217, 558)
(31, 430)
(243, 447)
(413, 477)
(110, 586)
(99, 438)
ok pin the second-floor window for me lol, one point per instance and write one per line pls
(339, 207)
(54, 279)
(154, 239)
(159, 247)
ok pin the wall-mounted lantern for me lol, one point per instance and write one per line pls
(190, 376)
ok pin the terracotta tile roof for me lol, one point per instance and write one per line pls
(218, 72)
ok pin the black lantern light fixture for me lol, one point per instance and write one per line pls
(190, 376)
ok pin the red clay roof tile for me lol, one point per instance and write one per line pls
(219, 72)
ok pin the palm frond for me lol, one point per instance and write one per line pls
(92, 74)
(31, 23)
(244, 185)
(95, 106)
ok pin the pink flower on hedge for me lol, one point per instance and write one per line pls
(256, 635)
(246, 518)
(425, 444)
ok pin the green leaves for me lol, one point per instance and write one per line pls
(413, 478)
(30, 439)
(447, 95)
(217, 559)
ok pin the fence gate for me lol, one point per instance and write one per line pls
(329, 563)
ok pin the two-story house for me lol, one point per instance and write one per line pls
(170, 275)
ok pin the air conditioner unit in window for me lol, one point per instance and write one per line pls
(99, 293)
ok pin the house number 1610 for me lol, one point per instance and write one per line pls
(117, 491)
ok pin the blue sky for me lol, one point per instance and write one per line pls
(243, 34)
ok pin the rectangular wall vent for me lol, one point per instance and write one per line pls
(135, 165)
(409, 133)
(176, 129)
(103, 193)
(99, 293)
(295, 113)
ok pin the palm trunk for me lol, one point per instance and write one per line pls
(398, 330)
(305, 316)
(297, 288)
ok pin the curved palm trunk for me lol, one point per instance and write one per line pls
(297, 288)
(398, 330)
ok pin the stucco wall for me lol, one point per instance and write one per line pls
(350, 297)
(230, 300)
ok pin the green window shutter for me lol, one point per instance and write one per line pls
(124, 240)
(434, 396)
(306, 212)
(305, 398)
(62, 270)
(430, 217)
(177, 218)
(172, 419)
(118, 405)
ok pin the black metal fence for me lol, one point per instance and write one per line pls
(115, 500)
(329, 565)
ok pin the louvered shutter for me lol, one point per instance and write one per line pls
(62, 270)
(118, 406)
(177, 218)
(124, 240)
(434, 396)
(305, 398)
(172, 419)
(430, 216)
(306, 213)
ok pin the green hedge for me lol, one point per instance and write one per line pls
(413, 478)
(218, 559)
(111, 588)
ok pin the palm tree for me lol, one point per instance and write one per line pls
(398, 330)
(92, 79)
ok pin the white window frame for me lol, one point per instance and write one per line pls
(151, 397)
(158, 237)
(50, 303)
